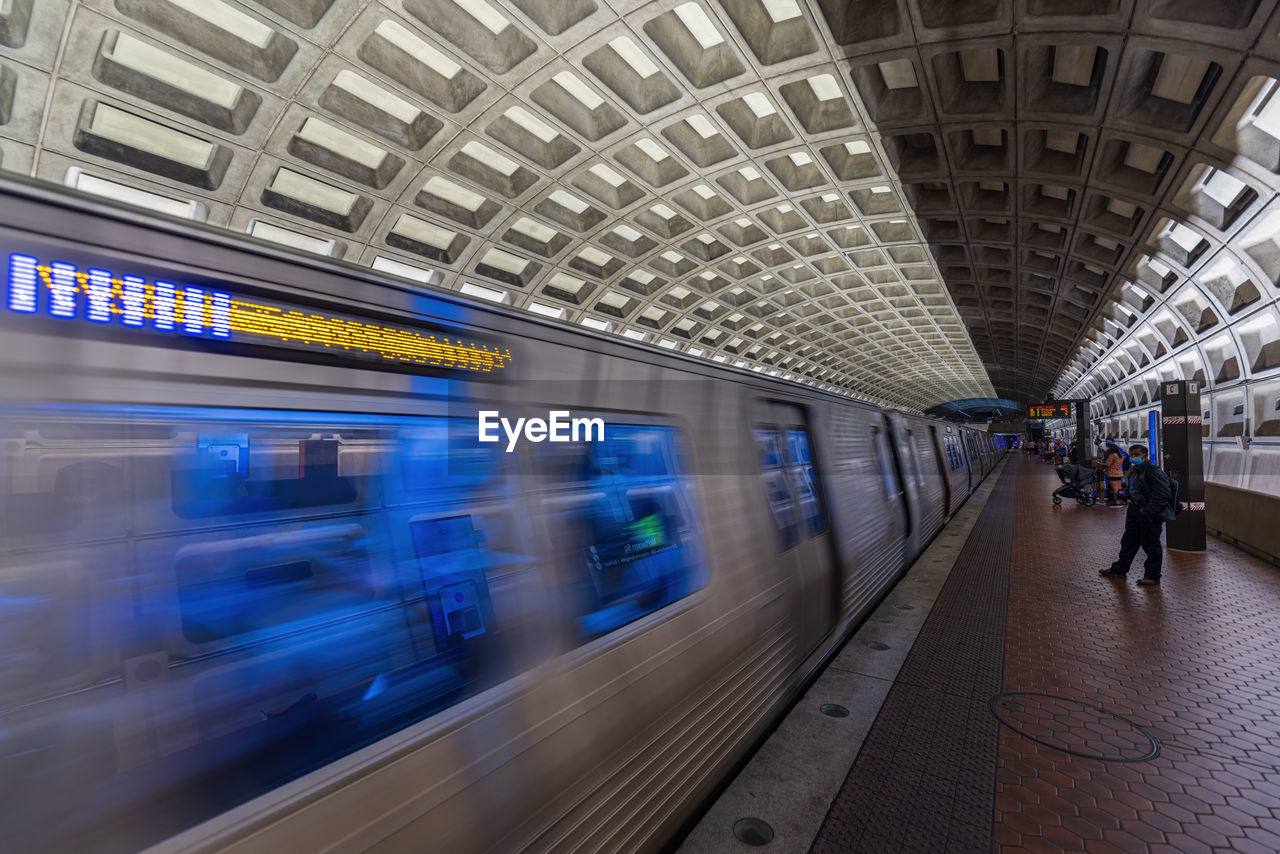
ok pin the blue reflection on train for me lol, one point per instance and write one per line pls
(198, 605)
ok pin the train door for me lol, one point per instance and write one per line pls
(971, 463)
(793, 490)
(942, 472)
(908, 486)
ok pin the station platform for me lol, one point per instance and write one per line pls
(1005, 697)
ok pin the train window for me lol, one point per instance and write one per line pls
(914, 453)
(954, 460)
(773, 476)
(632, 533)
(885, 464)
(803, 483)
(790, 486)
(272, 643)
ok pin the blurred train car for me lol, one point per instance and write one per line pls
(263, 590)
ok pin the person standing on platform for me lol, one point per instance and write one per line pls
(1150, 506)
(1113, 463)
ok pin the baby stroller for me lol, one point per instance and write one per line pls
(1077, 483)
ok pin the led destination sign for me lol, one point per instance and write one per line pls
(60, 290)
(1049, 410)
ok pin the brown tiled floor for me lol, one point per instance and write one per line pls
(1096, 666)
(1196, 662)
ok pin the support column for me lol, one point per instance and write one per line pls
(1184, 461)
(1084, 435)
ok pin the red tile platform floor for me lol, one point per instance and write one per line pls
(1195, 662)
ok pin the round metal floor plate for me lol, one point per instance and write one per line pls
(1075, 727)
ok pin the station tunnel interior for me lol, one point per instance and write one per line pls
(941, 208)
(912, 201)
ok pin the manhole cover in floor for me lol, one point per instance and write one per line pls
(1075, 727)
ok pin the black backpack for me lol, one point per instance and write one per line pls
(1173, 495)
(1174, 504)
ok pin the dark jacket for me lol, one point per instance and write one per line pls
(1149, 492)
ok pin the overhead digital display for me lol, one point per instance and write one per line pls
(1049, 410)
(58, 289)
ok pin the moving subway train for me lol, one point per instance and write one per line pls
(262, 588)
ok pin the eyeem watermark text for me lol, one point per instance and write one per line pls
(559, 426)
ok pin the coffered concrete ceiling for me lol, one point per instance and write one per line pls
(697, 175)
(1052, 149)
(888, 198)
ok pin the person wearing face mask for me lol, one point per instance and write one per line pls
(1151, 497)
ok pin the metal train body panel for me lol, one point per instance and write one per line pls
(259, 601)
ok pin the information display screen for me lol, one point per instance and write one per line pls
(43, 288)
(1049, 410)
